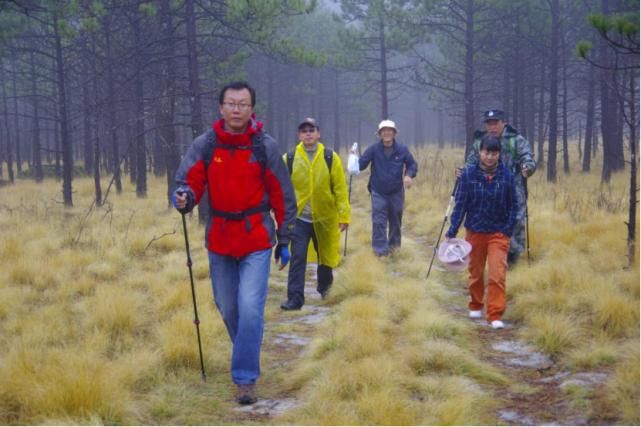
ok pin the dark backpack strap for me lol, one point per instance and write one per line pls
(241, 215)
(329, 156)
(290, 162)
(260, 153)
(209, 149)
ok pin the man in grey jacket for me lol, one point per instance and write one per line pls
(393, 169)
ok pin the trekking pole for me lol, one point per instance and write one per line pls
(527, 222)
(193, 298)
(349, 199)
(354, 150)
(447, 214)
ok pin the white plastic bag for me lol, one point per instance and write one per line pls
(352, 160)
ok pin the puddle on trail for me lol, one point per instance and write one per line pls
(525, 355)
(514, 418)
(268, 407)
(311, 315)
(584, 380)
(291, 339)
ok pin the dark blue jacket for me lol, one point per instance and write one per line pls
(388, 172)
(488, 205)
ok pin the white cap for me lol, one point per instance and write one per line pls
(387, 124)
(454, 254)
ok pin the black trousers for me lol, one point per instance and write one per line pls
(303, 232)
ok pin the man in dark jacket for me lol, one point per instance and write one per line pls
(247, 180)
(393, 168)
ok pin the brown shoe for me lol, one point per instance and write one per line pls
(246, 394)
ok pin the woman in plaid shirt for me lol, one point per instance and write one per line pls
(486, 198)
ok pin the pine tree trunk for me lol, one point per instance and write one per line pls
(564, 82)
(8, 139)
(383, 62)
(541, 115)
(65, 140)
(337, 112)
(589, 123)
(468, 95)
(37, 154)
(16, 121)
(111, 105)
(554, 83)
(632, 211)
(139, 113)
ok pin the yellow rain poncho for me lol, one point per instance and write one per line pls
(327, 196)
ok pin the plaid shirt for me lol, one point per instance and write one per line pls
(489, 204)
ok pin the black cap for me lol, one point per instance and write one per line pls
(308, 122)
(493, 115)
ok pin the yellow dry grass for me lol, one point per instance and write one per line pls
(96, 316)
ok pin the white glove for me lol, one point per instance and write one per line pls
(352, 160)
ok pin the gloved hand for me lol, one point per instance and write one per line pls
(182, 201)
(281, 253)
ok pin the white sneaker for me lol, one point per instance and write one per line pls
(497, 324)
(475, 314)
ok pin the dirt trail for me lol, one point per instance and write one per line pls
(543, 391)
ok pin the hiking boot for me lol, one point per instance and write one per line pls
(246, 394)
(497, 324)
(290, 305)
(475, 314)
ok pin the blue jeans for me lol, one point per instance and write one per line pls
(240, 292)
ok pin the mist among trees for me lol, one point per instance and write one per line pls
(118, 89)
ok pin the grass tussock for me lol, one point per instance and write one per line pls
(553, 333)
(623, 386)
(38, 384)
(443, 357)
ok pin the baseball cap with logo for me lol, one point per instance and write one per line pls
(493, 115)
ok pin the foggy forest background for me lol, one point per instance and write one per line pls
(127, 85)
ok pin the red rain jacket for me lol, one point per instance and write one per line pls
(243, 189)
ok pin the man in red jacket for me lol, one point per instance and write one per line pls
(247, 179)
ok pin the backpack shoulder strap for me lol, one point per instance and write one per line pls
(258, 148)
(209, 148)
(329, 156)
(290, 161)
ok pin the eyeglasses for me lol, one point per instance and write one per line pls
(307, 130)
(233, 106)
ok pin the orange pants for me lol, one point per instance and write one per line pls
(491, 248)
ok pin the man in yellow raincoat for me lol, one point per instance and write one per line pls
(323, 211)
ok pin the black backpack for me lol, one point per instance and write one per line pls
(257, 147)
(260, 153)
(328, 154)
